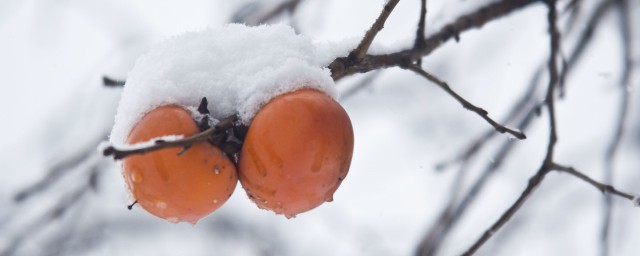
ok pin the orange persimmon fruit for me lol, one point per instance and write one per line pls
(296, 152)
(173, 185)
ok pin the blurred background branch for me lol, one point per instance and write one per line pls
(63, 204)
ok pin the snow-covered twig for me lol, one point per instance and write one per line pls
(222, 126)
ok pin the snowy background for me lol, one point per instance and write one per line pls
(55, 111)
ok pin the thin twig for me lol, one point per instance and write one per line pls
(604, 188)
(360, 51)
(223, 125)
(419, 42)
(518, 110)
(59, 209)
(455, 210)
(553, 78)
(584, 39)
(59, 170)
(255, 13)
(612, 149)
(547, 164)
(366, 81)
(286, 6)
(111, 82)
(466, 104)
(534, 182)
(346, 66)
(449, 217)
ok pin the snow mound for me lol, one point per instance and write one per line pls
(238, 69)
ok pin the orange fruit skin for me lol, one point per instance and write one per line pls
(176, 188)
(296, 152)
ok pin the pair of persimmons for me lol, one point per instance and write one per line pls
(296, 153)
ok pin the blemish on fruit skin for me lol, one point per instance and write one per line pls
(257, 162)
(318, 160)
(273, 156)
(216, 170)
(215, 201)
(173, 219)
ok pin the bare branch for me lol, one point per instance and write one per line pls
(360, 51)
(519, 109)
(534, 182)
(224, 125)
(419, 42)
(111, 82)
(553, 78)
(455, 210)
(59, 209)
(466, 104)
(59, 170)
(619, 130)
(254, 13)
(584, 40)
(287, 6)
(366, 81)
(345, 66)
(547, 164)
(604, 188)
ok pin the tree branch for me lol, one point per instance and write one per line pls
(222, 126)
(111, 82)
(255, 13)
(455, 210)
(547, 164)
(466, 104)
(419, 42)
(346, 66)
(612, 149)
(534, 182)
(360, 51)
(604, 188)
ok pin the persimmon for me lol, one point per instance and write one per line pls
(177, 185)
(296, 152)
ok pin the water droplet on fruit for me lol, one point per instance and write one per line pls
(161, 205)
(215, 201)
(136, 176)
(328, 198)
(216, 170)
